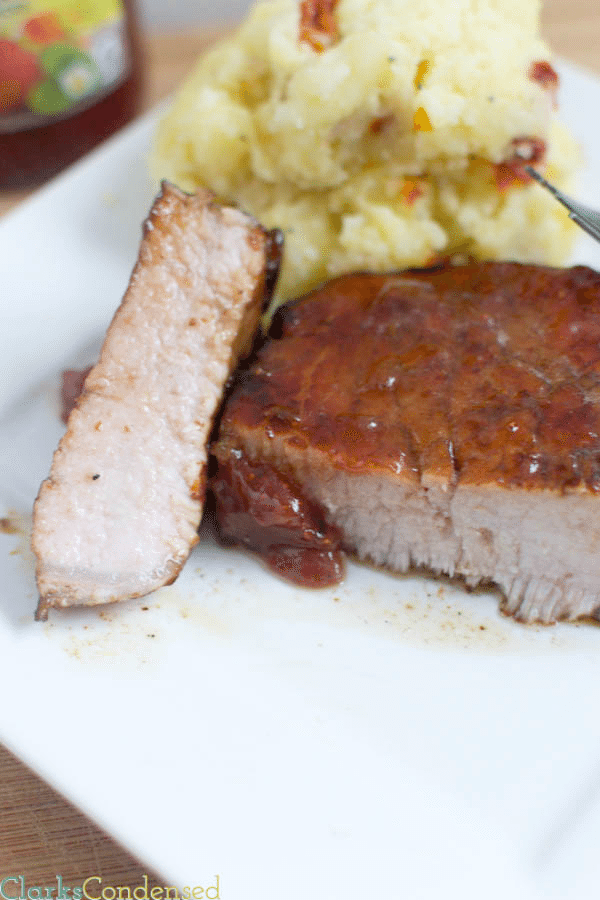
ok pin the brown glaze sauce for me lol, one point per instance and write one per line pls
(490, 371)
(265, 512)
(71, 388)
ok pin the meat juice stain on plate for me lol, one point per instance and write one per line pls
(8, 524)
(227, 600)
(411, 610)
(113, 633)
(127, 637)
(438, 613)
(230, 592)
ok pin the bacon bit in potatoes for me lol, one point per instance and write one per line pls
(411, 190)
(381, 124)
(507, 177)
(545, 75)
(317, 24)
(527, 151)
(422, 70)
(421, 121)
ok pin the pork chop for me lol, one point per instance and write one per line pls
(448, 419)
(119, 513)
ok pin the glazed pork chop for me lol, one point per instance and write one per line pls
(447, 418)
(119, 512)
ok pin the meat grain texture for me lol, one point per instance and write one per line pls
(448, 419)
(119, 513)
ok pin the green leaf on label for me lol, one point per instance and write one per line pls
(46, 97)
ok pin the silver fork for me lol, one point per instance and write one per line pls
(588, 219)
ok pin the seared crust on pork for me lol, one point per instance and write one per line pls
(119, 513)
(447, 418)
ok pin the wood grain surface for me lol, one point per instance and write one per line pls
(40, 834)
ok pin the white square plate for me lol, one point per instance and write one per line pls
(391, 737)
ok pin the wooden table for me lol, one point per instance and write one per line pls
(40, 834)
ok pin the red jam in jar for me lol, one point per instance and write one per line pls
(69, 77)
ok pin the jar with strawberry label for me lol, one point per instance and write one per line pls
(69, 77)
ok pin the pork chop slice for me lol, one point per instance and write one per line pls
(448, 419)
(119, 513)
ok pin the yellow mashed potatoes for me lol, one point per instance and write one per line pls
(380, 142)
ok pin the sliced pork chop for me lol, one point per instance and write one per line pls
(119, 513)
(447, 419)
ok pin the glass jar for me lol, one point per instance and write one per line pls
(69, 77)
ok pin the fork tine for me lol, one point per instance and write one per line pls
(587, 219)
(541, 180)
(590, 225)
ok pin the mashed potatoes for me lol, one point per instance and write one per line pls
(378, 134)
